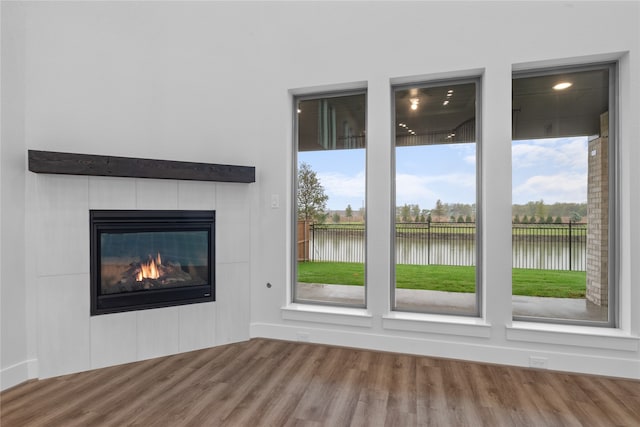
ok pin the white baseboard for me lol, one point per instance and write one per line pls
(18, 373)
(564, 361)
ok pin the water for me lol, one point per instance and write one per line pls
(548, 255)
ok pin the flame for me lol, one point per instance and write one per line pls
(149, 269)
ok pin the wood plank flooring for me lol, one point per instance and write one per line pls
(276, 383)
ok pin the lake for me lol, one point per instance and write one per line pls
(552, 253)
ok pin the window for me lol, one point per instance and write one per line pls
(436, 198)
(563, 195)
(330, 193)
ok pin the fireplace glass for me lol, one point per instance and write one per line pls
(149, 259)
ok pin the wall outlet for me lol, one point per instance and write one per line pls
(302, 336)
(538, 362)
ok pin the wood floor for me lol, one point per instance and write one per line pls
(274, 383)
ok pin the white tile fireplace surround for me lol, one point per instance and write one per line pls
(69, 339)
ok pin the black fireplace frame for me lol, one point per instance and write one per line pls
(152, 221)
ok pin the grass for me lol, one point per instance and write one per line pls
(529, 282)
(343, 273)
(549, 283)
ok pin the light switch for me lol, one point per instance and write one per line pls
(275, 201)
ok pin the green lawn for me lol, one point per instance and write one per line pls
(543, 283)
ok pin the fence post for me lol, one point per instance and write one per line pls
(570, 221)
(303, 240)
(428, 241)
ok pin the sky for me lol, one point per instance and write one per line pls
(554, 170)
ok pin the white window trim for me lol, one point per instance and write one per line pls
(345, 316)
(437, 324)
(572, 335)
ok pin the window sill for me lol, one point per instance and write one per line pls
(573, 335)
(437, 324)
(346, 316)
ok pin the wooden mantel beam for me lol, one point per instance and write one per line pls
(131, 167)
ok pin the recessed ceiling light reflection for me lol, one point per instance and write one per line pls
(562, 86)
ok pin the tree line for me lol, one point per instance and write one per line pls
(441, 212)
(540, 212)
(312, 201)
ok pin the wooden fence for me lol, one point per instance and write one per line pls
(304, 237)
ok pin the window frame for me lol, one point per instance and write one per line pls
(294, 195)
(613, 146)
(479, 291)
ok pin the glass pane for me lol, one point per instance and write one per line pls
(331, 200)
(435, 188)
(152, 260)
(561, 196)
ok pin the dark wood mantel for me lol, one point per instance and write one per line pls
(131, 167)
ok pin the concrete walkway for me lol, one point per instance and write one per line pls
(458, 303)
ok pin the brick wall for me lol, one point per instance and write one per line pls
(598, 217)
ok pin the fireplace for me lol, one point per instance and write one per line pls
(147, 259)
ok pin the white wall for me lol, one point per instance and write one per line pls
(382, 44)
(14, 356)
(213, 82)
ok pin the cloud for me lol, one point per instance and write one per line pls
(551, 154)
(337, 184)
(463, 180)
(563, 187)
(426, 189)
(344, 189)
(412, 189)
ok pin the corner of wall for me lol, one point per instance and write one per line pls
(14, 356)
(16, 374)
